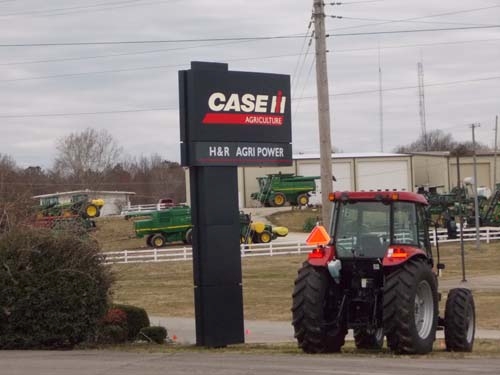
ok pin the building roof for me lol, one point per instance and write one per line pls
(348, 155)
(86, 191)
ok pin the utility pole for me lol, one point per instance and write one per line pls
(495, 157)
(476, 201)
(325, 143)
(380, 103)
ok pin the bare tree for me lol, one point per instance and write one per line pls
(437, 140)
(84, 157)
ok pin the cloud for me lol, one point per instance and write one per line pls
(145, 76)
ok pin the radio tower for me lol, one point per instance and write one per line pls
(421, 101)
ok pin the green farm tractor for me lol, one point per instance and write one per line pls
(80, 205)
(257, 231)
(277, 189)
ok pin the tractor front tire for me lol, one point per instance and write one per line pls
(459, 320)
(265, 237)
(411, 308)
(278, 200)
(316, 303)
(158, 241)
(369, 339)
(148, 240)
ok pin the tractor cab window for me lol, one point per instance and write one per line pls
(405, 224)
(362, 229)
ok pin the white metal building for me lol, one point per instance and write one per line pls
(355, 172)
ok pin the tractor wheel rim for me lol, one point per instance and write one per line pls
(91, 211)
(158, 242)
(424, 309)
(303, 201)
(278, 199)
(266, 238)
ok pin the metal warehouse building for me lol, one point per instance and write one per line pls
(361, 171)
(375, 171)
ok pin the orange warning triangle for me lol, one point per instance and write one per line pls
(318, 236)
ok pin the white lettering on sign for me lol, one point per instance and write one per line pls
(276, 152)
(245, 151)
(247, 103)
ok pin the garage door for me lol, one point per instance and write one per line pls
(382, 175)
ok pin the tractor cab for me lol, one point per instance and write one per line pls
(366, 225)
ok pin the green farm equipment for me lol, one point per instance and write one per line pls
(79, 205)
(174, 225)
(170, 225)
(257, 231)
(277, 189)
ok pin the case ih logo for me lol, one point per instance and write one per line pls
(246, 109)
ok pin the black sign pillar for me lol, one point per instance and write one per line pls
(216, 256)
(227, 119)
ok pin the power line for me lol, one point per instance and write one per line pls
(414, 30)
(401, 21)
(437, 84)
(294, 36)
(359, 92)
(82, 8)
(159, 41)
(421, 17)
(71, 114)
(228, 43)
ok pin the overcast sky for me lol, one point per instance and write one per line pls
(131, 90)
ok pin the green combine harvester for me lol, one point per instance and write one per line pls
(277, 189)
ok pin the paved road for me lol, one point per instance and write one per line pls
(262, 331)
(213, 363)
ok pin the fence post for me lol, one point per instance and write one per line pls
(271, 248)
(434, 239)
(155, 254)
(488, 235)
(125, 255)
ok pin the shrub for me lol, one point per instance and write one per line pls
(309, 224)
(115, 317)
(137, 318)
(112, 334)
(54, 288)
(155, 334)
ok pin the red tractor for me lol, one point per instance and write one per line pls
(376, 275)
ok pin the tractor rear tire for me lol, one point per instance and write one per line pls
(158, 241)
(302, 200)
(411, 308)
(188, 236)
(316, 303)
(90, 211)
(459, 320)
(369, 339)
(278, 200)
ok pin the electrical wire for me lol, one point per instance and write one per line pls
(294, 36)
(359, 92)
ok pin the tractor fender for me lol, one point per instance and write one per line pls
(399, 254)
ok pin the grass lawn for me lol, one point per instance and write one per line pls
(166, 289)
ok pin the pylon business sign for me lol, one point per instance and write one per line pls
(234, 118)
(227, 119)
